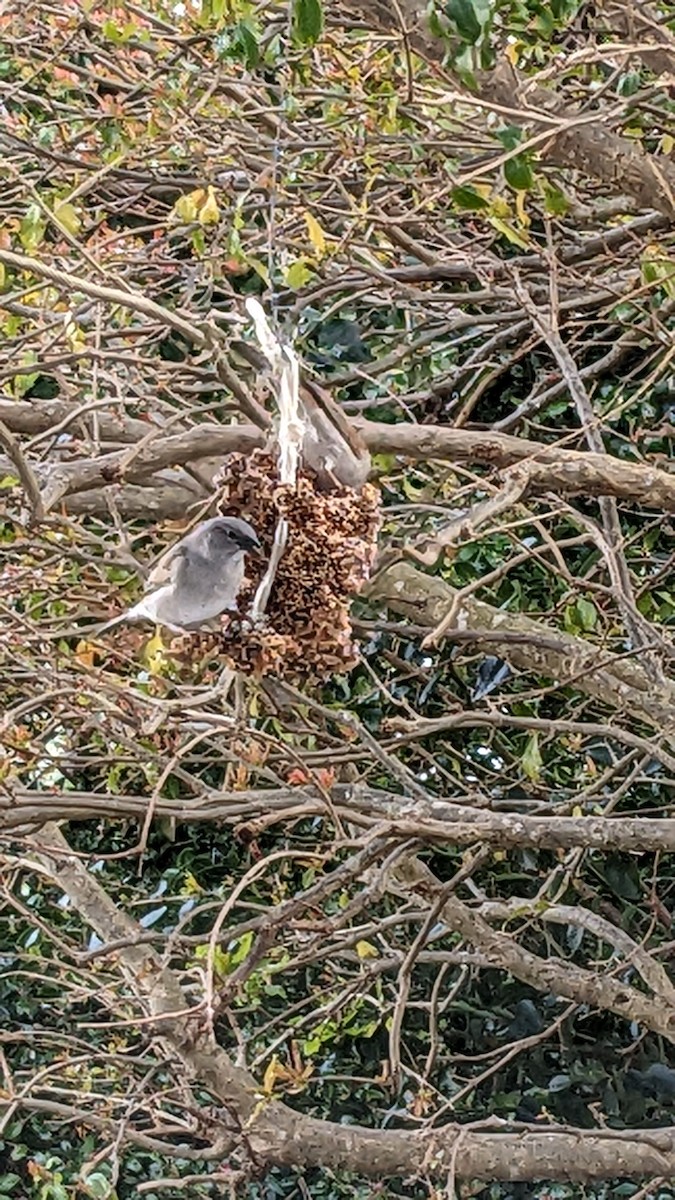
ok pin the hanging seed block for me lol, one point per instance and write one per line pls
(332, 541)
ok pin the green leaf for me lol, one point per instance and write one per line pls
(587, 613)
(111, 32)
(463, 15)
(56, 1191)
(23, 383)
(555, 201)
(308, 21)
(510, 136)
(531, 759)
(518, 173)
(571, 619)
(98, 1185)
(564, 10)
(249, 44)
(469, 199)
(544, 24)
(222, 962)
(298, 274)
(241, 949)
(629, 83)
(32, 229)
(240, 42)
(198, 242)
(8, 1182)
(382, 464)
(212, 12)
(434, 22)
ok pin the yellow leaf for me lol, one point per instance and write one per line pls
(520, 209)
(667, 143)
(577, 811)
(366, 950)
(190, 885)
(187, 207)
(512, 53)
(155, 658)
(509, 233)
(316, 235)
(84, 653)
(298, 274)
(66, 214)
(500, 208)
(271, 1075)
(220, 960)
(75, 336)
(209, 213)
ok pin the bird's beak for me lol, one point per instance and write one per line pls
(253, 547)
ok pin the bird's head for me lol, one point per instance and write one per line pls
(233, 533)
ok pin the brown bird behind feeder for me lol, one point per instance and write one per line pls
(332, 448)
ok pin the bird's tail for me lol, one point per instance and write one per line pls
(85, 631)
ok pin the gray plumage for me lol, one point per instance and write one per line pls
(197, 579)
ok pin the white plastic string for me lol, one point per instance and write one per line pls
(286, 374)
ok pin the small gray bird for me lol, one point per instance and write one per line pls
(197, 579)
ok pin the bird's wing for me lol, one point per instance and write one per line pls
(165, 570)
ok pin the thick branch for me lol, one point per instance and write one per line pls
(561, 977)
(620, 683)
(437, 820)
(548, 468)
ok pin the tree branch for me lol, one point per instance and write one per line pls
(573, 142)
(547, 468)
(274, 1134)
(619, 682)
(435, 820)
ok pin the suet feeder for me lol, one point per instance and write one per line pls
(330, 549)
(317, 520)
